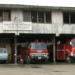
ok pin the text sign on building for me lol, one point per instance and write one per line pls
(17, 25)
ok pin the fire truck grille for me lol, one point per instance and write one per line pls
(38, 54)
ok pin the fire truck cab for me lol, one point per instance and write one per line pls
(66, 51)
(36, 51)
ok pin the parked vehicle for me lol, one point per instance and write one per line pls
(36, 51)
(65, 51)
(3, 55)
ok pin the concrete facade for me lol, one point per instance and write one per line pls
(56, 27)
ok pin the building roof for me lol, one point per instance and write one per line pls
(35, 7)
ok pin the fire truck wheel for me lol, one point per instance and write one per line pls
(68, 59)
(46, 61)
(27, 60)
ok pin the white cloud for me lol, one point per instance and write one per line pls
(70, 3)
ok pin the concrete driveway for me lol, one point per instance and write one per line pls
(37, 69)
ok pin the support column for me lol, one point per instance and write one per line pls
(54, 53)
(15, 50)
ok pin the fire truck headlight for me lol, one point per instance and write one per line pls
(45, 55)
(71, 53)
(32, 54)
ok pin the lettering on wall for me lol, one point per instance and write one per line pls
(17, 25)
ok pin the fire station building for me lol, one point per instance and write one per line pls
(24, 23)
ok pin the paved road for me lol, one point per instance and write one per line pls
(37, 69)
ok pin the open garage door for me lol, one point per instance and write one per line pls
(23, 39)
(64, 37)
(65, 48)
(6, 47)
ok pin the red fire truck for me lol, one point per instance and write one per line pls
(65, 51)
(34, 51)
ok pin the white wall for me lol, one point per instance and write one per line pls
(57, 17)
(57, 21)
(16, 13)
(56, 27)
(1, 27)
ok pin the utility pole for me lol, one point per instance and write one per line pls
(15, 49)
(54, 53)
(16, 37)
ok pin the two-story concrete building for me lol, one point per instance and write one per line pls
(23, 23)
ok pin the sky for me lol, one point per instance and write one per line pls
(62, 3)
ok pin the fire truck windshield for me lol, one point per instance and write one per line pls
(38, 46)
(72, 44)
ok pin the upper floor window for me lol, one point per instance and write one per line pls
(41, 17)
(26, 16)
(34, 16)
(72, 17)
(69, 17)
(1, 15)
(5, 15)
(48, 17)
(66, 17)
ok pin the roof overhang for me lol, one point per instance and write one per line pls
(36, 7)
